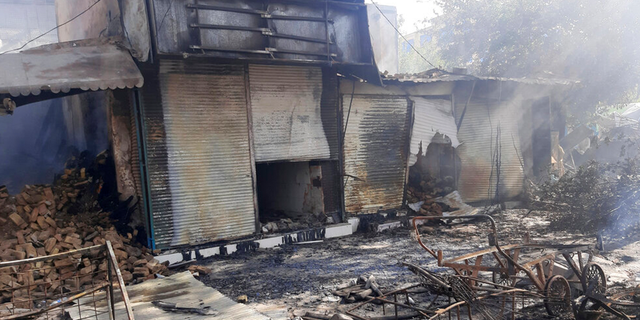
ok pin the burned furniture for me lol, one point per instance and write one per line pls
(501, 281)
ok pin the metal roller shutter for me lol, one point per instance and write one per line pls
(478, 175)
(375, 152)
(286, 113)
(431, 116)
(198, 155)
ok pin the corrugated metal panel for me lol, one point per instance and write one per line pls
(135, 157)
(431, 116)
(156, 151)
(448, 77)
(87, 65)
(205, 191)
(329, 106)
(477, 135)
(287, 119)
(375, 156)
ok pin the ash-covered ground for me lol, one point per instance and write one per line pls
(286, 282)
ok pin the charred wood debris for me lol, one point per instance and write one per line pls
(425, 188)
(79, 210)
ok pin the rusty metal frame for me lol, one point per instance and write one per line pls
(252, 152)
(112, 267)
(513, 266)
(264, 31)
(267, 32)
(448, 309)
(471, 293)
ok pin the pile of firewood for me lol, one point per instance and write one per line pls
(37, 222)
(429, 206)
(422, 187)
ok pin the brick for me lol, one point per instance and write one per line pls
(20, 237)
(50, 221)
(42, 223)
(140, 272)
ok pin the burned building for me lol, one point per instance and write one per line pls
(226, 118)
(481, 136)
(236, 124)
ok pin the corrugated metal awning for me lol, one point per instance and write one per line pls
(95, 64)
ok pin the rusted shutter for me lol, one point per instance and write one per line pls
(135, 158)
(477, 152)
(198, 155)
(431, 116)
(287, 118)
(375, 155)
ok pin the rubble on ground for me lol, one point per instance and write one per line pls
(45, 220)
(596, 198)
(424, 189)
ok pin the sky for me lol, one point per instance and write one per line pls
(413, 12)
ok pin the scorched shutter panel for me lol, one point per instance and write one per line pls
(208, 176)
(375, 155)
(477, 151)
(431, 116)
(287, 118)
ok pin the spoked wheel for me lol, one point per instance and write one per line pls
(557, 296)
(593, 279)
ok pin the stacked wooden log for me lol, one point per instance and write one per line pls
(422, 187)
(429, 206)
(45, 220)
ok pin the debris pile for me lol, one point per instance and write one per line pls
(49, 219)
(596, 198)
(358, 290)
(426, 186)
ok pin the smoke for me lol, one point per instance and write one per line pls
(31, 140)
(38, 138)
(24, 20)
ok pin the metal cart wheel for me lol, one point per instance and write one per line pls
(594, 279)
(557, 296)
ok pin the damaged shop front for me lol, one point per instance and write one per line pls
(225, 141)
(420, 138)
(235, 132)
(239, 117)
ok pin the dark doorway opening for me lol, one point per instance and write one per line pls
(291, 196)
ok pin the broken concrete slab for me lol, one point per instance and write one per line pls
(183, 290)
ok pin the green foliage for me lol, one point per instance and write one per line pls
(594, 41)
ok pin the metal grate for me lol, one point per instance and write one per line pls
(61, 285)
(269, 21)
